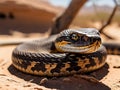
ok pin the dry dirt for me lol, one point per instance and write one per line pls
(11, 79)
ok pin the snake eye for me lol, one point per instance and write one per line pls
(74, 37)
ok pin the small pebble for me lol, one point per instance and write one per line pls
(66, 79)
(28, 85)
(36, 88)
(44, 80)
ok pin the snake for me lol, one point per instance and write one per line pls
(72, 51)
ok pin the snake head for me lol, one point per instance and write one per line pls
(84, 40)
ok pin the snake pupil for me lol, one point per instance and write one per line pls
(74, 37)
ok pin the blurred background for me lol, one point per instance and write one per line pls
(35, 17)
(23, 20)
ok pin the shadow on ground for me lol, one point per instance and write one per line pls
(65, 83)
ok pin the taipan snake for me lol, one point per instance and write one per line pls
(69, 52)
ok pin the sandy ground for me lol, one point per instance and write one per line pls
(11, 79)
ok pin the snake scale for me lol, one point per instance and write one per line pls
(69, 52)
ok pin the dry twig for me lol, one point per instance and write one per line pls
(109, 20)
(62, 22)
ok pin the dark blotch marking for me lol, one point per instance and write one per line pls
(27, 59)
(58, 67)
(73, 62)
(73, 66)
(99, 54)
(92, 62)
(24, 64)
(39, 67)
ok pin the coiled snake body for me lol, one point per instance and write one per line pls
(70, 52)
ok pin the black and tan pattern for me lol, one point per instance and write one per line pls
(70, 52)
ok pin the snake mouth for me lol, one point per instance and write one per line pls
(67, 47)
(89, 49)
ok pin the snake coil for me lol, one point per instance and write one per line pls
(71, 51)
